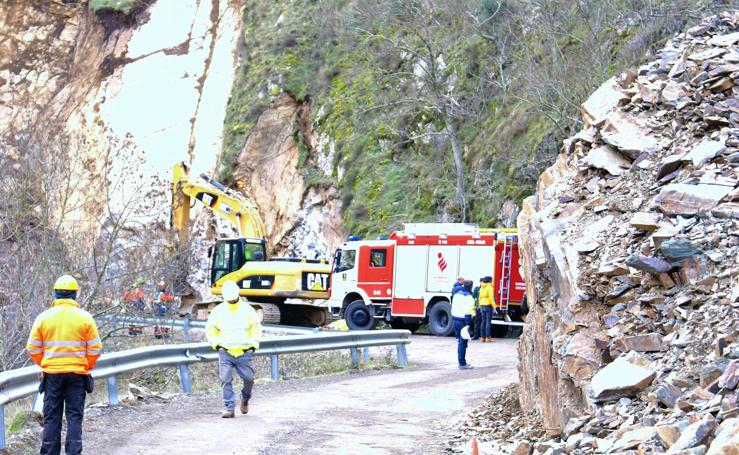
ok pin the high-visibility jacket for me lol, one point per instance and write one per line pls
(65, 339)
(487, 294)
(133, 295)
(233, 326)
(463, 306)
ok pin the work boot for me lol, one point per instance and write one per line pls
(228, 414)
(244, 407)
(466, 366)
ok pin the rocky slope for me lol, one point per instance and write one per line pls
(302, 219)
(630, 247)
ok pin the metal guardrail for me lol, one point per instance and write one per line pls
(193, 323)
(23, 382)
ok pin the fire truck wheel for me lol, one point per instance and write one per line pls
(440, 319)
(359, 316)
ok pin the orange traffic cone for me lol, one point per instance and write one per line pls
(475, 449)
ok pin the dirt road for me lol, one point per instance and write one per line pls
(381, 412)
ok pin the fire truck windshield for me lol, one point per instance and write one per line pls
(344, 260)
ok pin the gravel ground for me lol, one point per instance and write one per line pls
(392, 411)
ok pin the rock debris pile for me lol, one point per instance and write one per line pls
(498, 424)
(630, 251)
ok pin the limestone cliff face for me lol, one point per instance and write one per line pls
(132, 94)
(301, 219)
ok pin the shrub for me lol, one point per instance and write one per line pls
(124, 6)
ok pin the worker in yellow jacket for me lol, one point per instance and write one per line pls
(486, 304)
(234, 330)
(65, 343)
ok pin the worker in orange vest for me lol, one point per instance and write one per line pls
(135, 296)
(65, 343)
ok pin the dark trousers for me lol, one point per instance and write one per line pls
(478, 324)
(461, 342)
(63, 392)
(487, 315)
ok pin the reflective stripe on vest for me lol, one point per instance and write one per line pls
(94, 341)
(56, 355)
(65, 344)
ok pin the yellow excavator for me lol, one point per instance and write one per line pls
(266, 283)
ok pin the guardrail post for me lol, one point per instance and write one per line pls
(402, 355)
(112, 391)
(275, 367)
(2, 428)
(355, 357)
(186, 331)
(365, 354)
(185, 379)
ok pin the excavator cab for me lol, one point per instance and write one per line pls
(230, 255)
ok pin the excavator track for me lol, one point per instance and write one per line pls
(304, 315)
(269, 313)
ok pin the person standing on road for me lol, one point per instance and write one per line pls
(477, 320)
(65, 343)
(487, 300)
(234, 331)
(463, 305)
(458, 286)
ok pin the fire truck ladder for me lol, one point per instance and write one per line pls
(505, 276)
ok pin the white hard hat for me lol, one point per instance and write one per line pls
(230, 291)
(465, 333)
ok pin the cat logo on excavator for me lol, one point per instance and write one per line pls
(313, 281)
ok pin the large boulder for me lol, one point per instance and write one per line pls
(620, 378)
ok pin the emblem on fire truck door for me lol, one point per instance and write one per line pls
(441, 262)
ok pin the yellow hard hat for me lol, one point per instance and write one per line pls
(66, 283)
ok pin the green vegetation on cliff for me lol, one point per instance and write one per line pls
(124, 6)
(399, 86)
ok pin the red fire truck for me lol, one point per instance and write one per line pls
(407, 279)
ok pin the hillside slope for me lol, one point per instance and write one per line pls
(398, 91)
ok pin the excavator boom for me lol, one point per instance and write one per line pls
(223, 201)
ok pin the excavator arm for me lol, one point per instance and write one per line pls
(224, 202)
(267, 284)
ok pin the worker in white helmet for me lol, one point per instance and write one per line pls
(233, 329)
